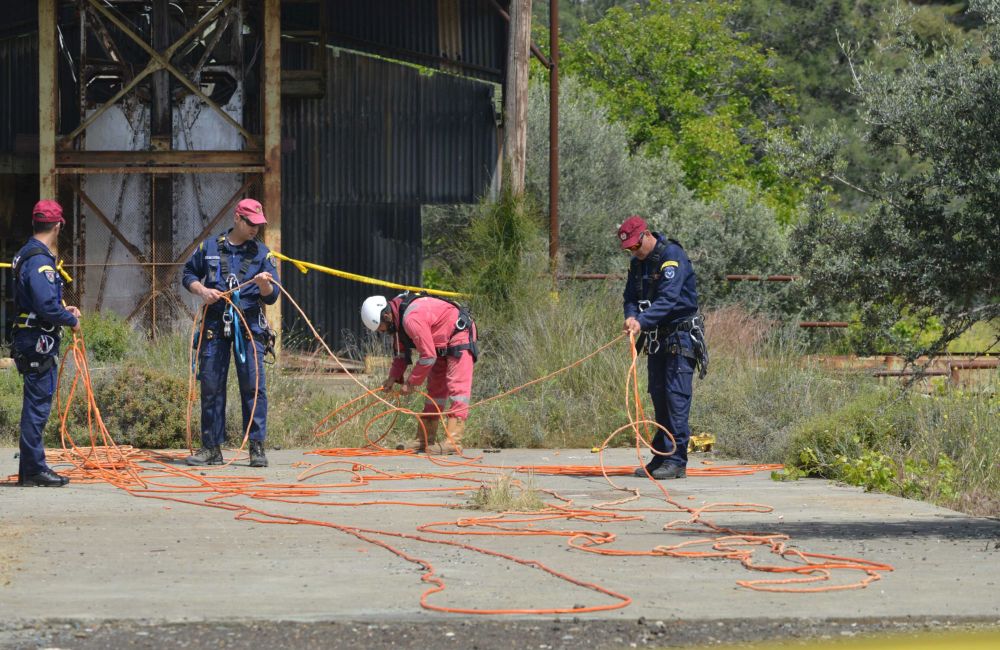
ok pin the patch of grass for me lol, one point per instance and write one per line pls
(941, 448)
(10, 405)
(507, 494)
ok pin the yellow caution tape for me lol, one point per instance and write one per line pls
(304, 267)
(59, 267)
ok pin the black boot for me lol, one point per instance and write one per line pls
(206, 456)
(650, 467)
(44, 478)
(257, 457)
(668, 471)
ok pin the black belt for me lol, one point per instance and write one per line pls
(678, 350)
(29, 364)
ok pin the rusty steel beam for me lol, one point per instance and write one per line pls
(129, 246)
(126, 89)
(590, 276)
(982, 364)
(554, 134)
(762, 278)
(48, 98)
(155, 63)
(162, 61)
(200, 157)
(910, 373)
(272, 139)
(373, 47)
(823, 323)
(161, 127)
(164, 169)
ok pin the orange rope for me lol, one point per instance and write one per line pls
(155, 475)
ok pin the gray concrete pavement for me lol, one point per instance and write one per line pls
(95, 552)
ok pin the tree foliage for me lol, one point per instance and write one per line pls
(602, 182)
(926, 252)
(679, 79)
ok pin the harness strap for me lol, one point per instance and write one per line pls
(30, 320)
(248, 259)
(462, 324)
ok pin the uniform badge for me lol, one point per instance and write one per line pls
(48, 272)
(45, 344)
(668, 273)
(623, 235)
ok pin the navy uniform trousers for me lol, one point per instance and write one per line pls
(214, 359)
(670, 381)
(36, 404)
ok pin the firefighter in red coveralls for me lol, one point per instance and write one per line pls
(444, 336)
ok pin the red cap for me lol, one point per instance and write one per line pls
(47, 211)
(251, 209)
(631, 230)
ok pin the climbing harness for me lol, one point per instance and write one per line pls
(462, 323)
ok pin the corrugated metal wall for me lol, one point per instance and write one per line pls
(380, 241)
(360, 162)
(18, 91)
(19, 17)
(423, 31)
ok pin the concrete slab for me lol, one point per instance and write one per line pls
(97, 552)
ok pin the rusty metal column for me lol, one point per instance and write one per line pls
(554, 134)
(272, 136)
(48, 99)
(161, 209)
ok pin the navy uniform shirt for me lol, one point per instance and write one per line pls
(673, 299)
(38, 289)
(206, 266)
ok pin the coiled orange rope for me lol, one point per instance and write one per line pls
(155, 475)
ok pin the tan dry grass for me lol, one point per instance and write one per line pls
(736, 333)
(508, 494)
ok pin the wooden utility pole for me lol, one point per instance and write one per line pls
(515, 109)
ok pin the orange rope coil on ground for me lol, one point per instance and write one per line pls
(156, 475)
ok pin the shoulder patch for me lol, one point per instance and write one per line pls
(669, 263)
(50, 273)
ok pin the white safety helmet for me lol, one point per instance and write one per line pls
(371, 311)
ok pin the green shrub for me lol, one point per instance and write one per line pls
(941, 447)
(141, 406)
(107, 336)
(10, 406)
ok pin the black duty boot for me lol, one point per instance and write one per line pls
(206, 456)
(257, 457)
(651, 466)
(44, 478)
(668, 471)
